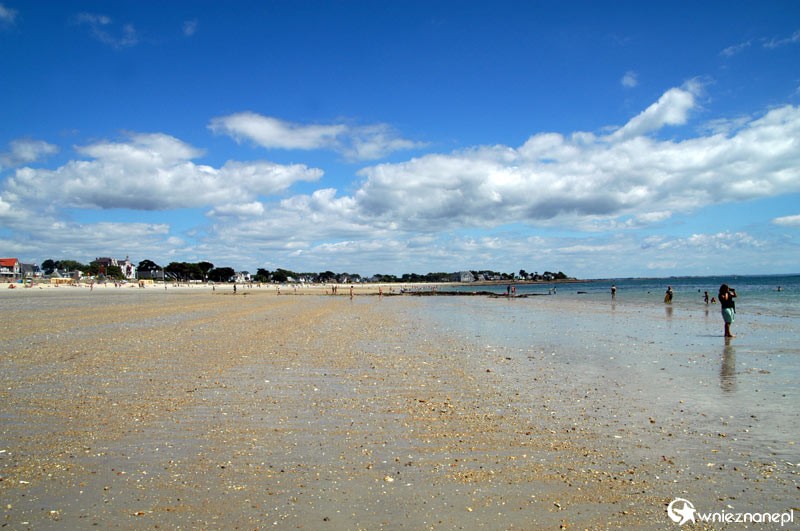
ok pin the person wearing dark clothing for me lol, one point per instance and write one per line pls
(726, 296)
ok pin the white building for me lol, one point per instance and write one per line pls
(128, 269)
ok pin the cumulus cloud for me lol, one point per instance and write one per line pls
(672, 108)
(300, 218)
(87, 241)
(722, 241)
(788, 221)
(239, 210)
(422, 211)
(354, 142)
(26, 151)
(152, 172)
(375, 142)
(5, 208)
(553, 178)
(54, 237)
(270, 132)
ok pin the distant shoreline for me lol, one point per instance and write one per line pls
(359, 288)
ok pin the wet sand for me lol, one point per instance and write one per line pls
(199, 409)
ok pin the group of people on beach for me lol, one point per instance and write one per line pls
(728, 306)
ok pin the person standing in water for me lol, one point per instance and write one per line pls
(726, 296)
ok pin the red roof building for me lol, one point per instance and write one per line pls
(9, 269)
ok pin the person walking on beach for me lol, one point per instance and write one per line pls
(726, 296)
(668, 295)
(613, 291)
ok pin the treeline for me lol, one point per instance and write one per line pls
(49, 266)
(207, 272)
(414, 277)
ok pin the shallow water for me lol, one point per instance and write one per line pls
(775, 295)
(666, 364)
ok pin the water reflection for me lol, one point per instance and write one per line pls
(727, 371)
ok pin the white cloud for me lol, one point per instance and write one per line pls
(375, 142)
(26, 151)
(778, 42)
(270, 132)
(102, 29)
(84, 242)
(300, 218)
(788, 221)
(144, 150)
(5, 208)
(420, 214)
(7, 15)
(354, 142)
(190, 27)
(722, 241)
(152, 172)
(653, 217)
(630, 79)
(735, 49)
(554, 179)
(769, 44)
(672, 108)
(241, 210)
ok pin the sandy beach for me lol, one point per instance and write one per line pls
(191, 408)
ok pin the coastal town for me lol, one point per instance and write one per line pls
(147, 272)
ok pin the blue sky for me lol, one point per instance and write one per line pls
(601, 139)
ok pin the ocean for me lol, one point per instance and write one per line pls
(769, 294)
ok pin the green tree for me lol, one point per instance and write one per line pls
(327, 276)
(72, 265)
(193, 271)
(178, 269)
(205, 267)
(283, 275)
(221, 274)
(115, 273)
(185, 270)
(48, 266)
(148, 265)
